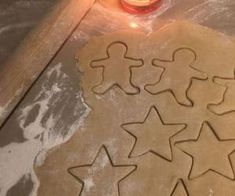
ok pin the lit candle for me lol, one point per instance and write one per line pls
(140, 6)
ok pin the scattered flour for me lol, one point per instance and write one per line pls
(147, 22)
(18, 159)
(89, 184)
(208, 9)
(104, 162)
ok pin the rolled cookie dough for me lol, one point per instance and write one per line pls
(161, 120)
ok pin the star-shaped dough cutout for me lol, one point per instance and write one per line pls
(180, 189)
(117, 69)
(152, 135)
(177, 75)
(227, 105)
(102, 177)
(209, 153)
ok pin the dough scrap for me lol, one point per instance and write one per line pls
(189, 98)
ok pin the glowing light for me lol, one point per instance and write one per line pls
(134, 25)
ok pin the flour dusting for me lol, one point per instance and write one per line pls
(208, 9)
(211, 192)
(44, 131)
(89, 184)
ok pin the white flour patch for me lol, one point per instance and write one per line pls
(89, 184)
(56, 70)
(18, 159)
(104, 162)
(101, 161)
(80, 36)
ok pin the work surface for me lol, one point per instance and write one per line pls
(17, 18)
(54, 109)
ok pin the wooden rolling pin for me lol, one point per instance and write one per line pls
(35, 52)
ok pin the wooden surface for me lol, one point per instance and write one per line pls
(35, 52)
(17, 19)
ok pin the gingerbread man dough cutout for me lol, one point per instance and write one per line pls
(228, 103)
(177, 75)
(117, 69)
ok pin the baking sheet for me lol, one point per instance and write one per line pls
(54, 109)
